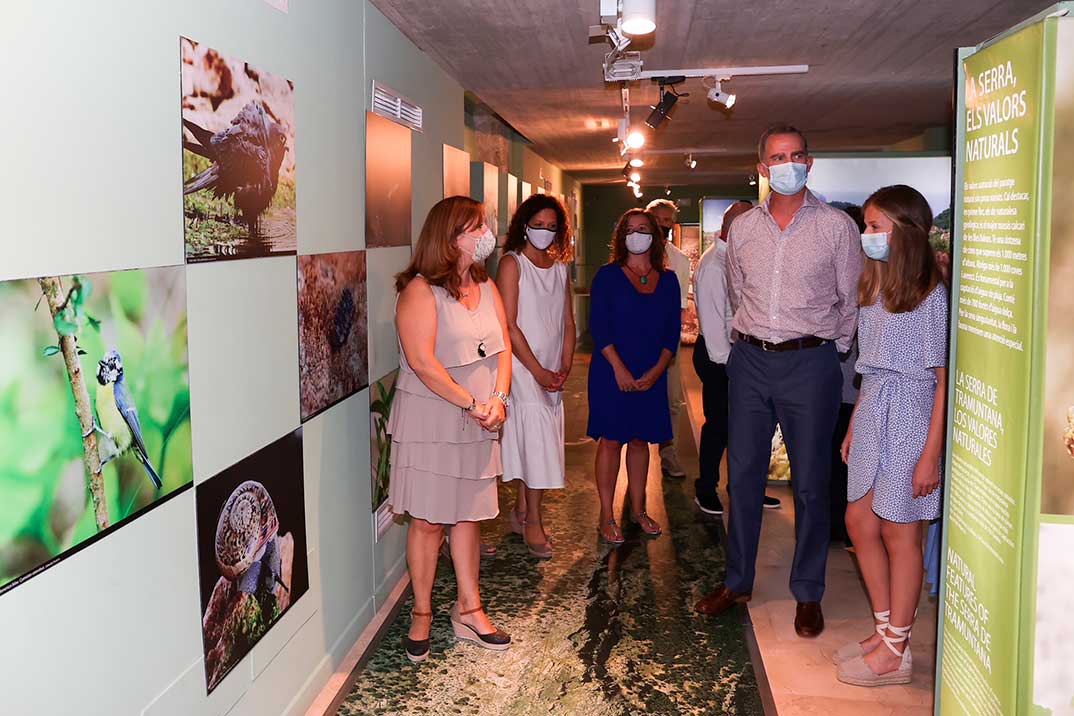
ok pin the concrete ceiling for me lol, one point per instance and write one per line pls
(880, 73)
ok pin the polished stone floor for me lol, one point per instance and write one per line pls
(597, 631)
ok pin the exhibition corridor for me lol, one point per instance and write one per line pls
(570, 357)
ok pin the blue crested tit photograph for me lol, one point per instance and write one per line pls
(94, 409)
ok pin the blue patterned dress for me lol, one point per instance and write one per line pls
(898, 354)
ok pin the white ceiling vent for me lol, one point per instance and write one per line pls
(389, 103)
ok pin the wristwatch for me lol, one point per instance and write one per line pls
(503, 398)
(473, 404)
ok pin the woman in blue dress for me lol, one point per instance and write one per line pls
(635, 323)
(895, 442)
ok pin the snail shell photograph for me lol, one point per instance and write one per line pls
(251, 551)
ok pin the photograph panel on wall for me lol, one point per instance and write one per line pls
(512, 199)
(689, 236)
(381, 397)
(251, 551)
(1057, 480)
(238, 139)
(332, 333)
(456, 172)
(712, 209)
(94, 408)
(527, 190)
(846, 182)
(491, 199)
(1053, 689)
(387, 182)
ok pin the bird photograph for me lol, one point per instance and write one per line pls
(238, 139)
(251, 551)
(94, 406)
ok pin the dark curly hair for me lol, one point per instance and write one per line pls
(561, 249)
(657, 252)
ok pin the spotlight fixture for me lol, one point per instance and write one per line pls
(635, 176)
(717, 95)
(753, 180)
(638, 192)
(690, 161)
(637, 162)
(668, 98)
(635, 140)
(639, 16)
(667, 191)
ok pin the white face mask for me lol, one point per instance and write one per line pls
(787, 179)
(483, 246)
(638, 243)
(541, 239)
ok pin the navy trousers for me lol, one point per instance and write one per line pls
(714, 432)
(802, 390)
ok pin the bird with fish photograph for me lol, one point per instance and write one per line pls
(238, 140)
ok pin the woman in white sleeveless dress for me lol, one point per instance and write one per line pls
(538, 303)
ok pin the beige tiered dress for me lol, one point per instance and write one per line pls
(443, 464)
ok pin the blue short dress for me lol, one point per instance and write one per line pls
(640, 326)
(898, 354)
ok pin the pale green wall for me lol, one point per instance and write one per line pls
(92, 182)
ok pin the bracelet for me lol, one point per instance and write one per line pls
(503, 398)
(473, 404)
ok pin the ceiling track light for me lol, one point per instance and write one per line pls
(667, 191)
(668, 98)
(635, 176)
(753, 180)
(690, 161)
(639, 16)
(716, 93)
(636, 162)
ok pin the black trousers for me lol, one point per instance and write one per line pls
(714, 432)
(839, 474)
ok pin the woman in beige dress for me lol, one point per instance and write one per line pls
(451, 402)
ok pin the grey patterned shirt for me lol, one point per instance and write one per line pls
(802, 281)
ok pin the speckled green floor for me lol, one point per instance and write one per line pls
(597, 631)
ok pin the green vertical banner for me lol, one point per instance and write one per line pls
(1003, 107)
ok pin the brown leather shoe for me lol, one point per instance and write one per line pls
(808, 620)
(721, 600)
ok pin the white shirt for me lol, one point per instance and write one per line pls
(710, 296)
(680, 264)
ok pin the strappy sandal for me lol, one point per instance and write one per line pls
(849, 651)
(855, 649)
(615, 540)
(518, 524)
(655, 531)
(417, 650)
(857, 673)
(496, 640)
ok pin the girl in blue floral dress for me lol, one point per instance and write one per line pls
(893, 449)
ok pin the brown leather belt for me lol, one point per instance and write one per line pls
(795, 344)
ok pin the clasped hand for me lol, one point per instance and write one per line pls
(629, 384)
(551, 381)
(489, 415)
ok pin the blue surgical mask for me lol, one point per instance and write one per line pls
(788, 178)
(875, 246)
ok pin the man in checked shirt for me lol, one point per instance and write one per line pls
(792, 275)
